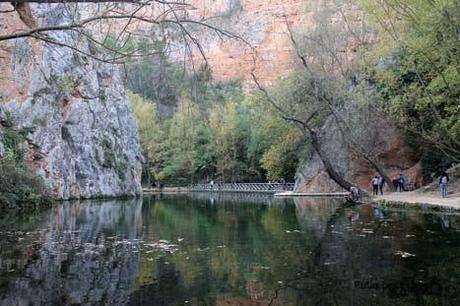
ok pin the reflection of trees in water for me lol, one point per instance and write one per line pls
(357, 263)
(312, 252)
(246, 250)
(232, 252)
(78, 261)
(230, 197)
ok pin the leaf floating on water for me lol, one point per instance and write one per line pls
(403, 254)
(262, 268)
(163, 245)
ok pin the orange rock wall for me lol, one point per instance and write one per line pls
(12, 85)
(263, 24)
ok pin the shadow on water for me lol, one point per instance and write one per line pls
(228, 249)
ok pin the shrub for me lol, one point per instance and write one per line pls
(20, 187)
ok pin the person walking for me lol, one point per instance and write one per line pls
(381, 183)
(443, 181)
(375, 185)
(401, 182)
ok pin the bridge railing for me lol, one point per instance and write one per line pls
(244, 187)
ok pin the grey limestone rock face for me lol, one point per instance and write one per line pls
(83, 139)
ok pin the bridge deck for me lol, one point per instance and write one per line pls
(278, 189)
(312, 194)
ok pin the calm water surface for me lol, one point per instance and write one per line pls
(229, 250)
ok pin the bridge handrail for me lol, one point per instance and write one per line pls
(266, 187)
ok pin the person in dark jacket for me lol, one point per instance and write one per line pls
(401, 182)
(395, 183)
(381, 184)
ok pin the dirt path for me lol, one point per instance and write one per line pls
(418, 198)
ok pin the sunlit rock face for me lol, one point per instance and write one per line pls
(265, 47)
(83, 139)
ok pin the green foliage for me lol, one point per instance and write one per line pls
(149, 130)
(282, 158)
(195, 129)
(227, 140)
(19, 186)
(183, 134)
(223, 135)
(275, 145)
(419, 78)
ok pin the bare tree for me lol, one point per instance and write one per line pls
(120, 22)
(323, 55)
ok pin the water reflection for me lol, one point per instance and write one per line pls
(207, 249)
(71, 259)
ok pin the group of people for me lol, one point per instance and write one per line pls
(399, 183)
(377, 184)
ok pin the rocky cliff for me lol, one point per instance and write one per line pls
(83, 138)
(265, 47)
(377, 137)
(268, 52)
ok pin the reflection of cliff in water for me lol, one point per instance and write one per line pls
(174, 250)
(82, 258)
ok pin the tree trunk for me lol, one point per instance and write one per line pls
(334, 175)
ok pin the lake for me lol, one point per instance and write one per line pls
(230, 249)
